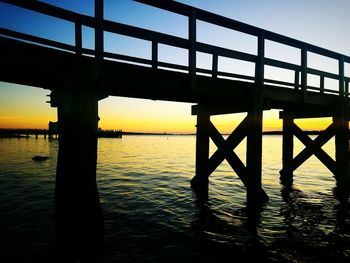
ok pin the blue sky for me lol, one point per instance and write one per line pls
(321, 22)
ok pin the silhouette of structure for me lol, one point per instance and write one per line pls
(79, 77)
(53, 129)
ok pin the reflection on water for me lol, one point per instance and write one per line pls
(152, 215)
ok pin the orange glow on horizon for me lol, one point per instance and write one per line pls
(25, 107)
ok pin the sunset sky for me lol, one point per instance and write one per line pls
(323, 23)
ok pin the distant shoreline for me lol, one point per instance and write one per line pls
(176, 134)
(8, 133)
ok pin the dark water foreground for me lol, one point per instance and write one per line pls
(152, 215)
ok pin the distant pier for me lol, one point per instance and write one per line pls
(51, 134)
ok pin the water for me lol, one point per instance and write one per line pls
(152, 215)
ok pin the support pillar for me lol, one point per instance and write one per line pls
(202, 152)
(250, 127)
(255, 193)
(342, 153)
(287, 150)
(77, 206)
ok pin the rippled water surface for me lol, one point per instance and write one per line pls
(152, 215)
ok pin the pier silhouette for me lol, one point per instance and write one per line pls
(79, 77)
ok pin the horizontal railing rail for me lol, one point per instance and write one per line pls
(301, 72)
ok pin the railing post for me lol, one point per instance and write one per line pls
(304, 70)
(154, 54)
(215, 66)
(78, 39)
(260, 63)
(296, 80)
(192, 37)
(321, 84)
(99, 29)
(341, 76)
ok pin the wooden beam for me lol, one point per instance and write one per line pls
(232, 142)
(341, 77)
(342, 151)
(78, 39)
(77, 206)
(154, 54)
(225, 150)
(312, 147)
(287, 151)
(255, 193)
(304, 71)
(200, 180)
(302, 112)
(239, 106)
(192, 55)
(315, 146)
(99, 39)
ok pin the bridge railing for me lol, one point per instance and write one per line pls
(191, 44)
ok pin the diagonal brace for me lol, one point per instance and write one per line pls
(225, 150)
(313, 147)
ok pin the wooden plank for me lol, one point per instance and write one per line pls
(281, 64)
(140, 33)
(278, 82)
(326, 52)
(306, 112)
(224, 52)
(47, 9)
(322, 73)
(126, 58)
(225, 74)
(39, 40)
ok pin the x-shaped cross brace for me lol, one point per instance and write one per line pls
(311, 147)
(225, 150)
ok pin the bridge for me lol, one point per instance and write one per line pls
(79, 77)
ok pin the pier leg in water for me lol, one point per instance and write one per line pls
(255, 193)
(287, 150)
(200, 180)
(342, 154)
(78, 211)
